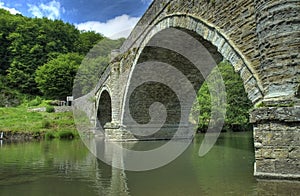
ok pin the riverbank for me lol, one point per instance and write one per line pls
(26, 124)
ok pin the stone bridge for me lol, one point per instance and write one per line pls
(260, 38)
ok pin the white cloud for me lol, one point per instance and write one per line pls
(50, 10)
(11, 10)
(147, 1)
(118, 27)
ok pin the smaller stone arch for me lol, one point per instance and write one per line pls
(104, 107)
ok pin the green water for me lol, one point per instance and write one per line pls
(67, 168)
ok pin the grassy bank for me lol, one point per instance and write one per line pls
(47, 125)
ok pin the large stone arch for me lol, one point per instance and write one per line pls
(214, 35)
(213, 39)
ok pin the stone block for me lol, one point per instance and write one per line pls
(294, 153)
(287, 166)
(245, 74)
(265, 165)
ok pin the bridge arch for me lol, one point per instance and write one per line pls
(214, 35)
(104, 107)
(211, 37)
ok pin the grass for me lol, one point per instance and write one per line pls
(50, 125)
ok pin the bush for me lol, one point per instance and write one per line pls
(49, 136)
(46, 124)
(66, 135)
(35, 102)
(50, 109)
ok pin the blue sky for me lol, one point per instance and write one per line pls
(113, 18)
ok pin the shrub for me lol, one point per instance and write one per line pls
(46, 124)
(50, 109)
(35, 102)
(49, 136)
(66, 135)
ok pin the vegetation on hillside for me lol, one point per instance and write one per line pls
(31, 47)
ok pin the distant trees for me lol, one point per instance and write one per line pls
(237, 102)
(93, 65)
(31, 44)
(55, 78)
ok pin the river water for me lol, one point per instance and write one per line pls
(68, 168)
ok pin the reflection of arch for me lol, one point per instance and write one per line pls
(104, 112)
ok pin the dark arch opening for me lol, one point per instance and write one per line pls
(159, 49)
(104, 113)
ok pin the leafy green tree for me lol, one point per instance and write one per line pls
(31, 44)
(26, 44)
(55, 78)
(237, 102)
(8, 24)
(86, 41)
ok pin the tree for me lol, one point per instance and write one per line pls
(86, 41)
(237, 103)
(55, 78)
(31, 44)
(8, 24)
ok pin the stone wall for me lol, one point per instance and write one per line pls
(278, 30)
(277, 141)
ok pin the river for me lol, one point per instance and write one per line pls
(68, 168)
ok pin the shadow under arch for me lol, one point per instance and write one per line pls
(104, 111)
(209, 35)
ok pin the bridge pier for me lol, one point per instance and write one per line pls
(114, 132)
(277, 142)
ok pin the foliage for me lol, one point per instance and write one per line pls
(55, 78)
(28, 43)
(49, 136)
(35, 102)
(50, 109)
(46, 124)
(237, 103)
(66, 135)
(86, 41)
(9, 97)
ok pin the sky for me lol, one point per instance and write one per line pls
(112, 18)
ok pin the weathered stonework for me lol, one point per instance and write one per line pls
(261, 40)
(277, 141)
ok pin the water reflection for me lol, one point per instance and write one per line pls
(269, 187)
(68, 168)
